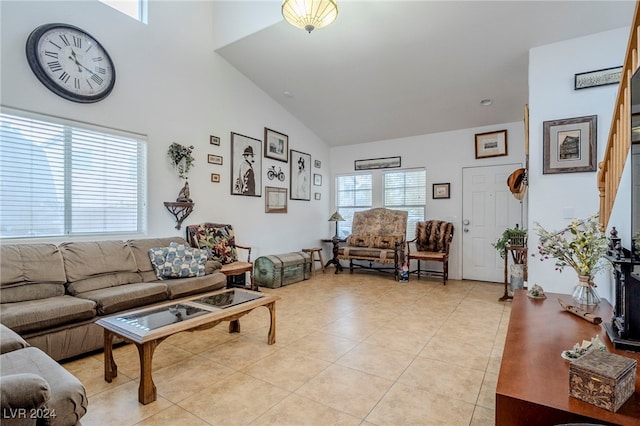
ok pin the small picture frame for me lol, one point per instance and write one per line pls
(214, 159)
(317, 164)
(214, 140)
(317, 196)
(491, 144)
(215, 177)
(275, 200)
(317, 179)
(276, 145)
(569, 145)
(441, 190)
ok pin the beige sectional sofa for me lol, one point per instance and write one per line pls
(52, 294)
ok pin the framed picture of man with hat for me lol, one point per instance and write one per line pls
(246, 165)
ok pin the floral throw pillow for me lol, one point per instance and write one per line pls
(220, 240)
(180, 261)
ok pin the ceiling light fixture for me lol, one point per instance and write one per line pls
(309, 14)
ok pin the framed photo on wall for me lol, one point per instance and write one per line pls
(569, 145)
(491, 144)
(246, 165)
(276, 145)
(214, 159)
(275, 199)
(300, 176)
(441, 190)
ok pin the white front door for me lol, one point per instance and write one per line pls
(488, 208)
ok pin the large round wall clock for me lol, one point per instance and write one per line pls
(70, 63)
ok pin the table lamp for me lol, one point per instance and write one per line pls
(336, 217)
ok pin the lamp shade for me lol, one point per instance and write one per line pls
(336, 217)
(309, 14)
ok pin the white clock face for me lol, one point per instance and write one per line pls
(70, 62)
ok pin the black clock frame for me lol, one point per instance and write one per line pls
(38, 68)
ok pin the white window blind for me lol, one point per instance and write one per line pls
(407, 190)
(354, 193)
(61, 178)
(137, 9)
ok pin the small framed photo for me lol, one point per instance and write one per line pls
(491, 144)
(214, 159)
(317, 196)
(569, 145)
(215, 177)
(276, 145)
(275, 200)
(441, 190)
(317, 179)
(317, 164)
(214, 140)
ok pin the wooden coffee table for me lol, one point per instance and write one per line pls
(147, 328)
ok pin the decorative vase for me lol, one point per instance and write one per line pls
(585, 292)
(516, 272)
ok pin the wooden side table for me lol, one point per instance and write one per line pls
(520, 255)
(336, 244)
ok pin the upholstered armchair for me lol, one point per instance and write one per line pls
(432, 243)
(220, 240)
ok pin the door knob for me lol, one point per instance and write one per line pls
(465, 222)
(466, 229)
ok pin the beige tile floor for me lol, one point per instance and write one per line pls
(351, 349)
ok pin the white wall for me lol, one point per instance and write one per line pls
(443, 155)
(552, 97)
(173, 87)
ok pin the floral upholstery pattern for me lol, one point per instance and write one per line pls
(219, 239)
(378, 235)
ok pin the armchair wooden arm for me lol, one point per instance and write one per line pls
(248, 248)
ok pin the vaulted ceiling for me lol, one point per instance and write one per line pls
(392, 69)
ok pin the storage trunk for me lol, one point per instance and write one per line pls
(603, 379)
(282, 269)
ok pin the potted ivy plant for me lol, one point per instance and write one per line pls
(513, 237)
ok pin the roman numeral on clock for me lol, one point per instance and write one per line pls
(76, 83)
(54, 66)
(64, 39)
(64, 77)
(77, 41)
(51, 54)
(97, 78)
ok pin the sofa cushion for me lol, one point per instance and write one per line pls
(10, 340)
(30, 271)
(68, 398)
(115, 299)
(94, 265)
(433, 235)
(34, 315)
(23, 390)
(182, 287)
(359, 240)
(386, 241)
(140, 249)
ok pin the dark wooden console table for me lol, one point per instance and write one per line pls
(335, 241)
(533, 385)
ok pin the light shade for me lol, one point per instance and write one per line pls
(336, 217)
(309, 14)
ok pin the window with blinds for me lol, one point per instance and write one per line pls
(407, 190)
(354, 193)
(137, 9)
(59, 178)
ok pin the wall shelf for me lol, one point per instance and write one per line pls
(180, 210)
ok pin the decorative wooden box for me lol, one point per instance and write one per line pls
(281, 269)
(603, 379)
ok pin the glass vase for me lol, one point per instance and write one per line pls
(585, 292)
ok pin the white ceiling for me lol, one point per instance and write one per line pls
(392, 69)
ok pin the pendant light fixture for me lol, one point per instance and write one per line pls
(309, 14)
